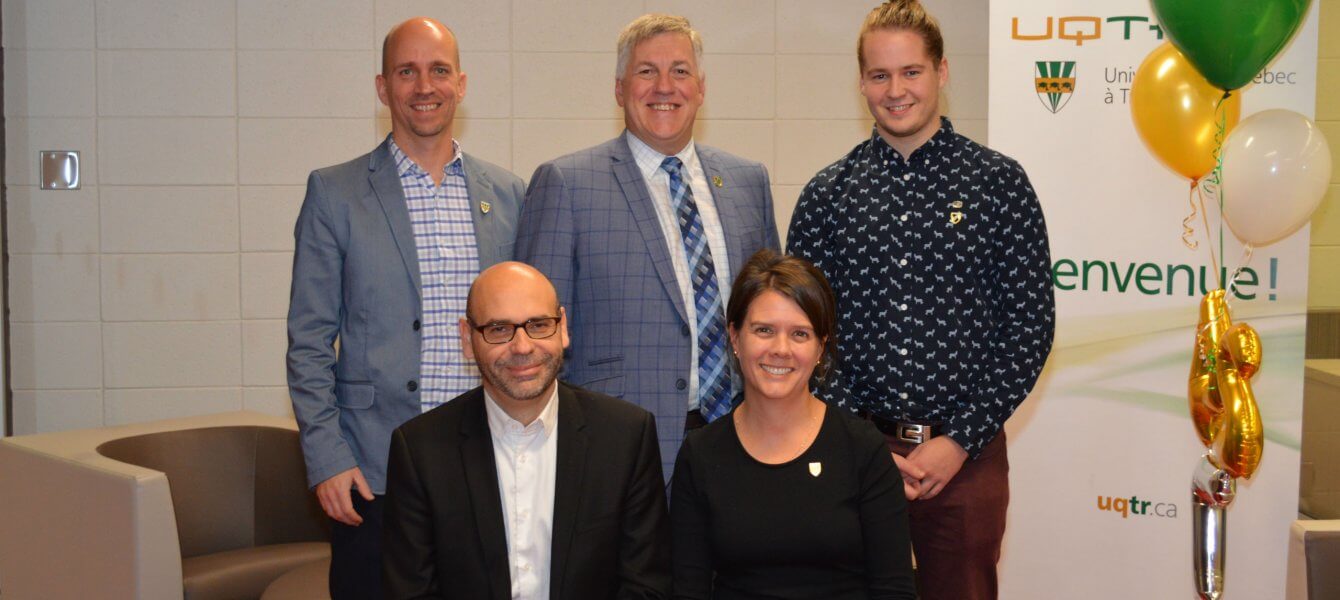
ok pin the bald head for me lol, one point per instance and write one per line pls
(515, 306)
(508, 283)
(417, 27)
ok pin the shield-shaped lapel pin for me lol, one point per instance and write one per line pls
(816, 468)
(485, 207)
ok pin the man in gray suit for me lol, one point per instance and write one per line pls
(387, 246)
(643, 235)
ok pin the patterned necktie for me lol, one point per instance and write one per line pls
(714, 382)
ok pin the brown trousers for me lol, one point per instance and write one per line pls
(956, 535)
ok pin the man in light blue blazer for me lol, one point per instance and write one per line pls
(387, 246)
(643, 235)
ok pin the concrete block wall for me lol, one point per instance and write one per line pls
(160, 288)
(1319, 476)
(1319, 479)
(1323, 279)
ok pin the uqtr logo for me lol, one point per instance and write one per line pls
(1054, 81)
(1135, 506)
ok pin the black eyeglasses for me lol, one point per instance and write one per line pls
(501, 332)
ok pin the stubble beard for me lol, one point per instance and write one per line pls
(495, 373)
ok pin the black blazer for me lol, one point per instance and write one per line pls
(444, 535)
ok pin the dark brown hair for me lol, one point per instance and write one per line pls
(903, 15)
(797, 279)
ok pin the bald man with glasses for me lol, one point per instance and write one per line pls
(525, 487)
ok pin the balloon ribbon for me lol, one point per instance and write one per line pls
(1210, 185)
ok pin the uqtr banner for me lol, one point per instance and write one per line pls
(1103, 453)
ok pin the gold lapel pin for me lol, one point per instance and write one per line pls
(485, 207)
(716, 180)
(956, 204)
(955, 217)
(816, 468)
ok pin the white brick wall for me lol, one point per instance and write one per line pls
(160, 288)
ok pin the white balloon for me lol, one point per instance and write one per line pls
(1277, 166)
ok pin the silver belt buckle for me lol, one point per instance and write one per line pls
(913, 433)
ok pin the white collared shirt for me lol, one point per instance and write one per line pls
(658, 185)
(526, 457)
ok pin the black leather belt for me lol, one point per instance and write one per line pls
(912, 432)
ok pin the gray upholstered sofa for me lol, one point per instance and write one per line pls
(197, 508)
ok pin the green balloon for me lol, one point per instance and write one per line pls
(1230, 41)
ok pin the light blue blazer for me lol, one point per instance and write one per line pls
(356, 286)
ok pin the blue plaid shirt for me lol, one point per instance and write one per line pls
(444, 236)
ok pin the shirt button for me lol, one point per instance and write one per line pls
(416, 325)
(903, 352)
(902, 307)
(902, 262)
(903, 218)
(681, 384)
(521, 459)
(907, 176)
(412, 386)
(525, 568)
(903, 395)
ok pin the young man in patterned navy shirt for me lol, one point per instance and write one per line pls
(937, 250)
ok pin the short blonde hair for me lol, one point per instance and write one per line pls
(903, 15)
(649, 26)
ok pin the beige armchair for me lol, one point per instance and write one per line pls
(197, 508)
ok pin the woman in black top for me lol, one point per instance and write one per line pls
(787, 497)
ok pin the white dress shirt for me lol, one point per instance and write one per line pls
(658, 185)
(526, 457)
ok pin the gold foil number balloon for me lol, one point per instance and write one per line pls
(1244, 348)
(1223, 407)
(1237, 446)
(1202, 389)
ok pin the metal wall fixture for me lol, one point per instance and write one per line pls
(60, 169)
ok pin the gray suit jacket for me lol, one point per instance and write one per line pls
(590, 225)
(356, 280)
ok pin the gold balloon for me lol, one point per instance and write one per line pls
(1206, 420)
(1244, 348)
(1239, 444)
(1223, 407)
(1177, 112)
(1202, 391)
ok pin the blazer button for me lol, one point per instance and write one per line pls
(681, 384)
(412, 386)
(684, 330)
(416, 325)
